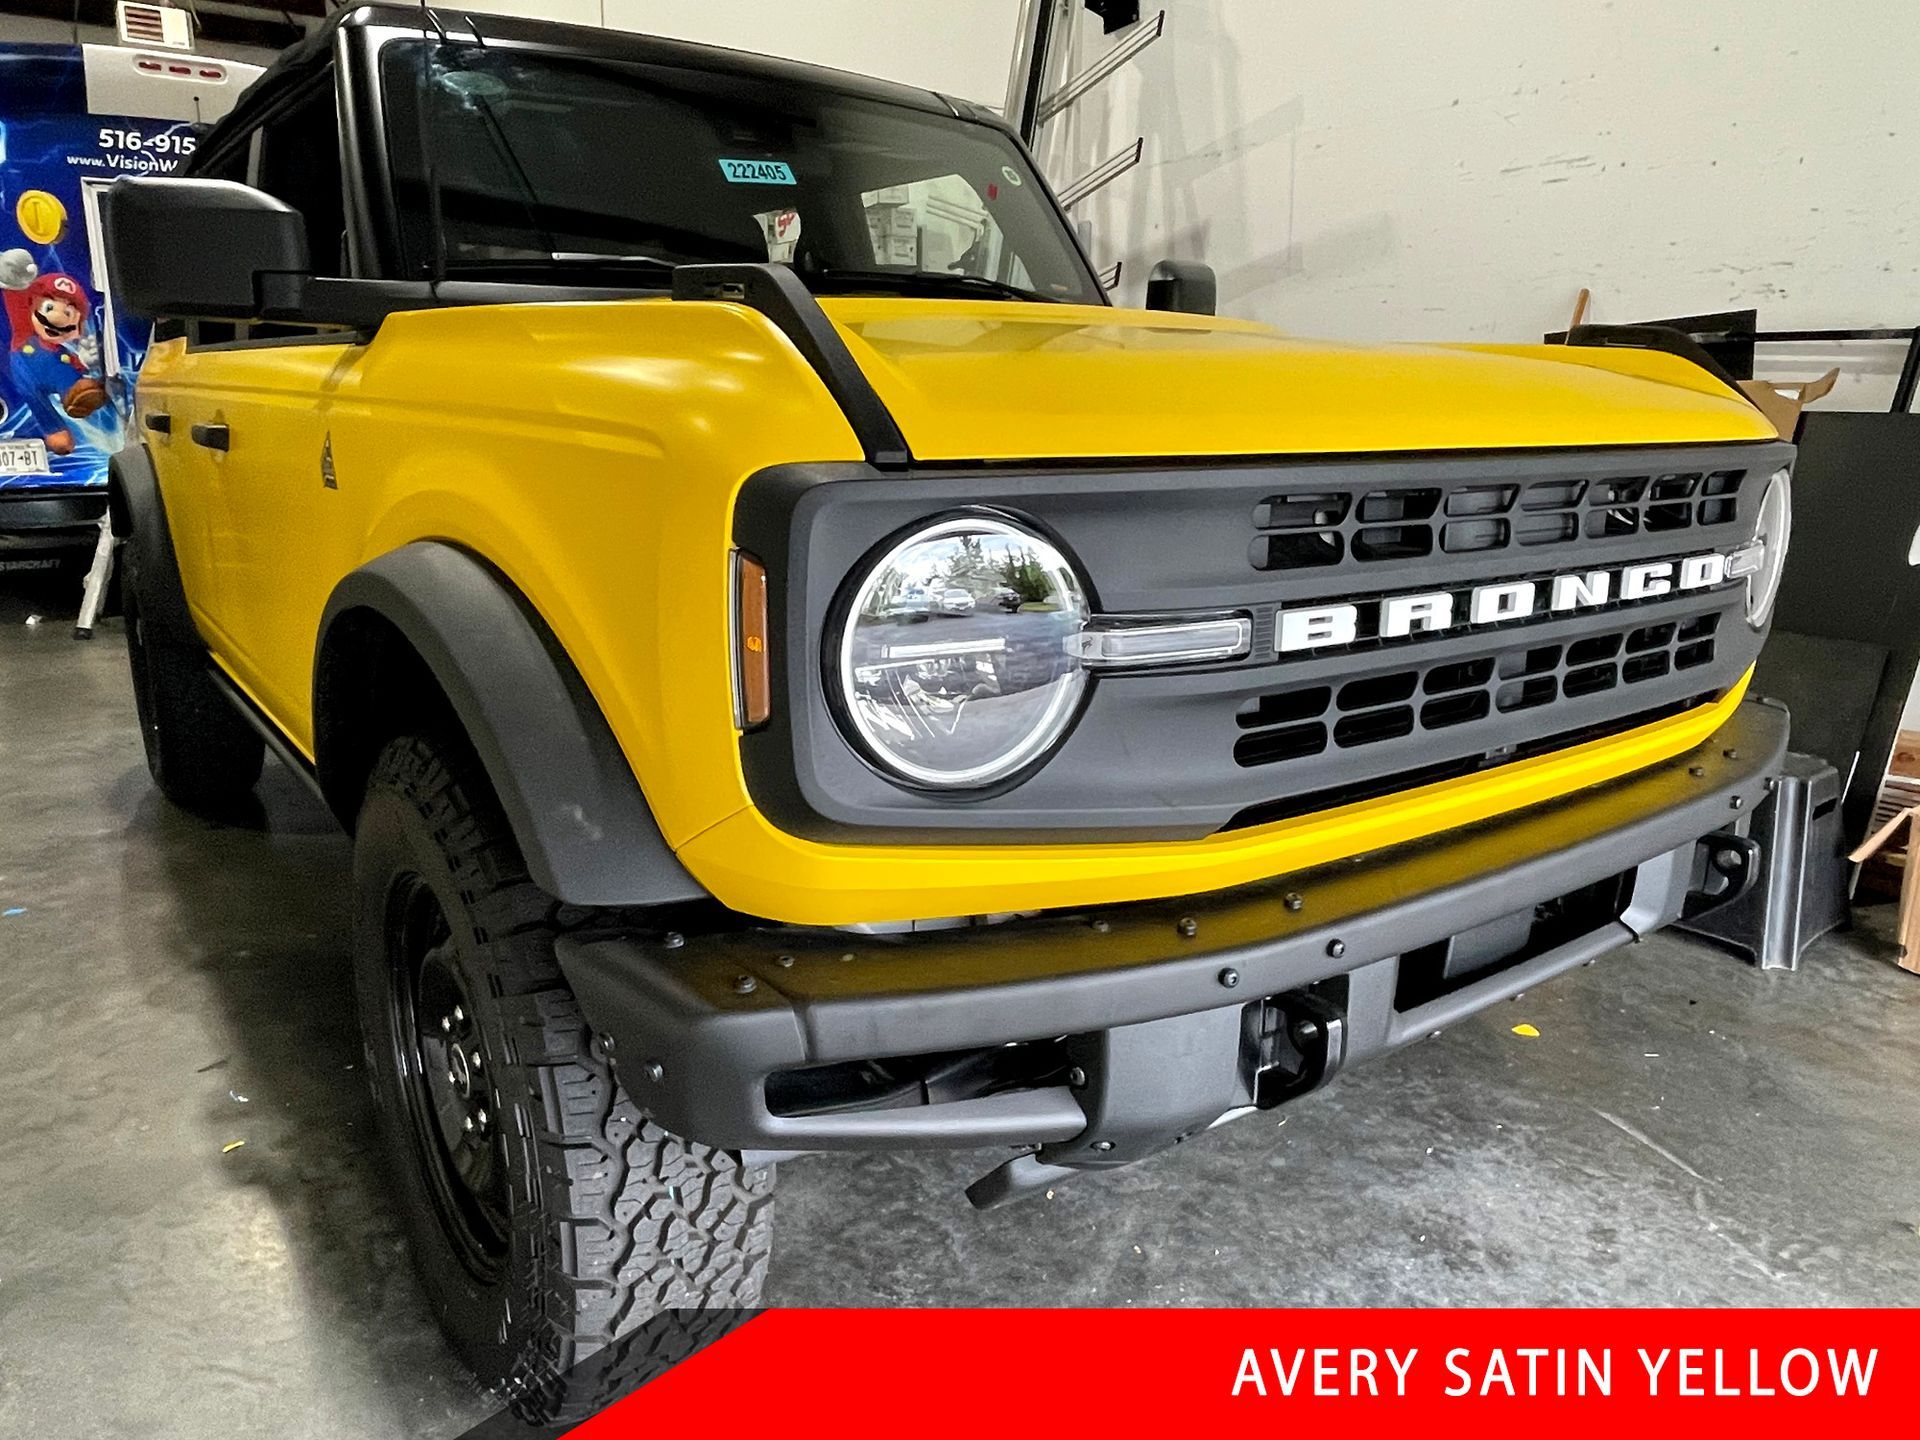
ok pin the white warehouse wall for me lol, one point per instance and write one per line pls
(1385, 169)
(959, 47)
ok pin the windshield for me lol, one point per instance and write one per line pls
(544, 163)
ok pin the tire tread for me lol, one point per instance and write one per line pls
(638, 1222)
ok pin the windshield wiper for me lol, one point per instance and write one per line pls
(596, 257)
(907, 280)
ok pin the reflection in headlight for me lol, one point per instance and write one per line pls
(956, 662)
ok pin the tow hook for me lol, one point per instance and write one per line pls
(1150, 1086)
(1299, 1042)
(1725, 868)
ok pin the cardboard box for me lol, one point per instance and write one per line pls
(1782, 403)
(1909, 926)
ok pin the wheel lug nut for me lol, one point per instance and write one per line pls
(467, 1123)
(483, 1119)
(475, 1059)
(446, 1023)
(452, 1079)
(459, 1015)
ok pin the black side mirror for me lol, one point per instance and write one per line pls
(197, 249)
(1184, 285)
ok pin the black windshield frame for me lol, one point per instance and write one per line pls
(1027, 222)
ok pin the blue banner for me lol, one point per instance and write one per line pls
(67, 383)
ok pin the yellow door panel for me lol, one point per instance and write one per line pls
(279, 535)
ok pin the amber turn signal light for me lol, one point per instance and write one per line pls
(753, 685)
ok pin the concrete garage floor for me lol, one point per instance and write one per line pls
(1685, 1130)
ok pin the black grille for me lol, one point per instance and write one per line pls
(1317, 528)
(1448, 694)
(1182, 752)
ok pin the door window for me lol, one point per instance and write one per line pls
(299, 162)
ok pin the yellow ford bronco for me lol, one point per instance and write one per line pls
(804, 672)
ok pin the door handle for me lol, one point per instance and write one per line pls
(214, 437)
(160, 422)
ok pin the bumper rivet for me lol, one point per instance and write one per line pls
(1077, 1078)
(673, 940)
(1294, 902)
(654, 1070)
(1336, 948)
(745, 985)
(846, 958)
(1188, 926)
(1433, 1035)
(1773, 783)
(1101, 925)
(1103, 1146)
(1698, 772)
(1735, 803)
(606, 1043)
(1229, 977)
(1731, 754)
(785, 962)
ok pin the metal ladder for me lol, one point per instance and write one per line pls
(1030, 107)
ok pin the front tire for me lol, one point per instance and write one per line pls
(550, 1217)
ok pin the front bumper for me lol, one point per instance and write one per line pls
(1162, 1013)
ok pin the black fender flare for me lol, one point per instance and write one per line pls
(584, 826)
(137, 514)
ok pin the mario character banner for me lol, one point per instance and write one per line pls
(66, 384)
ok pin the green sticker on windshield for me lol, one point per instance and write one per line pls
(757, 172)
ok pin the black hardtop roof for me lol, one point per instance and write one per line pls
(298, 61)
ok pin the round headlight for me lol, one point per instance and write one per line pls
(955, 658)
(1770, 540)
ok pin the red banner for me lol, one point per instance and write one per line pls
(1580, 1372)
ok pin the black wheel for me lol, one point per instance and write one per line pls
(551, 1219)
(200, 753)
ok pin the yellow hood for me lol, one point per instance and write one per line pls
(990, 380)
